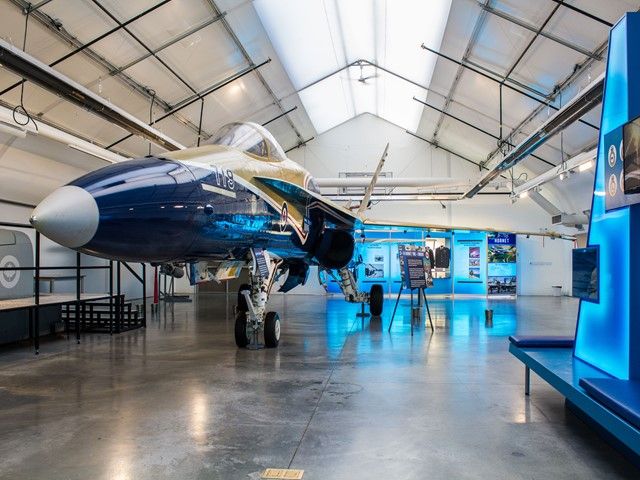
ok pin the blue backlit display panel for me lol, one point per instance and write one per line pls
(470, 263)
(603, 332)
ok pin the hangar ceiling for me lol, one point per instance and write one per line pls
(149, 57)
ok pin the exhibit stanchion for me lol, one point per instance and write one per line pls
(78, 297)
(396, 306)
(36, 310)
(426, 304)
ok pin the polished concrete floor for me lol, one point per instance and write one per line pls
(339, 399)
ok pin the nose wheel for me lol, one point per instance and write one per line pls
(252, 317)
(271, 330)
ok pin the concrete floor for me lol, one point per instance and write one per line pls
(337, 399)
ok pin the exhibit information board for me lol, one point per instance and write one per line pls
(469, 262)
(501, 264)
(415, 266)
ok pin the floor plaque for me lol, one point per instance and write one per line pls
(290, 474)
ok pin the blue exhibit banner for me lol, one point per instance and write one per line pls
(501, 264)
(470, 262)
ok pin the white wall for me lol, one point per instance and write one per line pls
(542, 263)
(357, 145)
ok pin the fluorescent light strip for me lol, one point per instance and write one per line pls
(582, 162)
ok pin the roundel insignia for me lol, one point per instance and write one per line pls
(612, 156)
(284, 217)
(9, 278)
(613, 185)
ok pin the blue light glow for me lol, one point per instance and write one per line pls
(602, 336)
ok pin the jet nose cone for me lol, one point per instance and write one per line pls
(69, 216)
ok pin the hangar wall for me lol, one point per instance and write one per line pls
(356, 145)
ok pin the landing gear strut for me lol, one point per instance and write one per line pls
(348, 285)
(251, 314)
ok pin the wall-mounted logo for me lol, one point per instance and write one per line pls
(612, 156)
(9, 278)
(613, 185)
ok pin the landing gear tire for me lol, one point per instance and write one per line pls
(242, 306)
(376, 300)
(241, 329)
(271, 330)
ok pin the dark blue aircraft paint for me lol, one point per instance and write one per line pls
(159, 210)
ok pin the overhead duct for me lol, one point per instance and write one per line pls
(55, 134)
(355, 182)
(581, 161)
(34, 70)
(582, 103)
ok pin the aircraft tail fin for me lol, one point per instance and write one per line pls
(374, 179)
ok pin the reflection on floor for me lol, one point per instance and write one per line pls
(340, 399)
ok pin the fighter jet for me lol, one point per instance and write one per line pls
(236, 202)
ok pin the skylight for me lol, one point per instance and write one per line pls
(314, 38)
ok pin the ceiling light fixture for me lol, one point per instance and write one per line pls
(585, 166)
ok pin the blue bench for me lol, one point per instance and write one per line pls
(622, 397)
(538, 341)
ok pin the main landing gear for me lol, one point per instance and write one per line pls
(349, 287)
(251, 315)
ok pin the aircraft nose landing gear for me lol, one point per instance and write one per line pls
(251, 315)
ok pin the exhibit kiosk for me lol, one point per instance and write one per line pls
(599, 373)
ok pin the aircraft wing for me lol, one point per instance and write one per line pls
(445, 228)
(304, 200)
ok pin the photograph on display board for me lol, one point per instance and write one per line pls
(630, 157)
(474, 252)
(374, 270)
(474, 262)
(501, 254)
(474, 273)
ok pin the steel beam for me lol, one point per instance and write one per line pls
(584, 12)
(56, 28)
(32, 69)
(144, 45)
(572, 77)
(532, 28)
(182, 36)
(247, 57)
(544, 103)
(199, 96)
(465, 57)
(538, 32)
(579, 105)
(279, 116)
(91, 42)
(475, 127)
(300, 144)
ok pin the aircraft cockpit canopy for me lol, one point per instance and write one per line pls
(251, 138)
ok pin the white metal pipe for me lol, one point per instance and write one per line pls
(57, 135)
